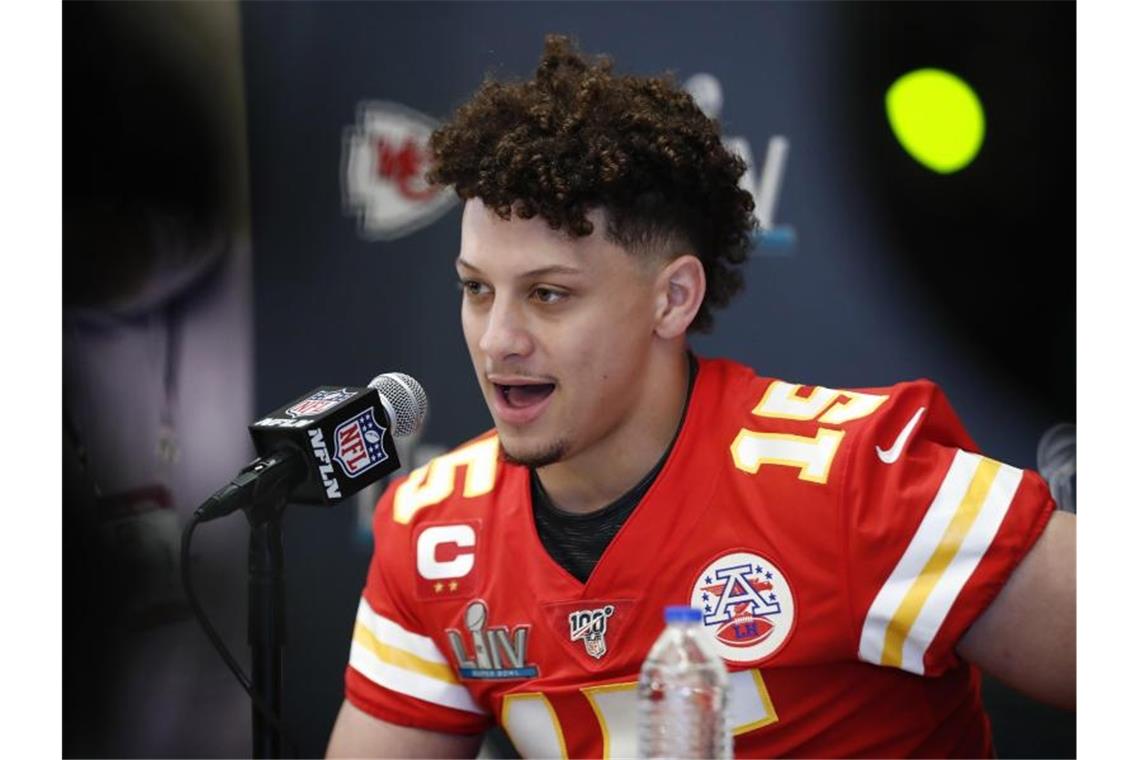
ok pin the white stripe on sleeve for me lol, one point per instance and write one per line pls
(942, 590)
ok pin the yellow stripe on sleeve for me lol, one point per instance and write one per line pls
(918, 593)
(401, 658)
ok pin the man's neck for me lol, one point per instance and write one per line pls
(592, 479)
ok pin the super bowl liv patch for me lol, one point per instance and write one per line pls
(495, 652)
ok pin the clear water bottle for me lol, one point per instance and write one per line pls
(682, 692)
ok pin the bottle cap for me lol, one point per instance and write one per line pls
(679, 613)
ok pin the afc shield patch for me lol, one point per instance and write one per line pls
(747, 604)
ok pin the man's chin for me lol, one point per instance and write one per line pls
(533, 455)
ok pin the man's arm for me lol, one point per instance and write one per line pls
(1027, 638)
(358, 734)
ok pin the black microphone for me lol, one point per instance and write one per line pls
(325, 446)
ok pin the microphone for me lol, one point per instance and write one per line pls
(326, 445)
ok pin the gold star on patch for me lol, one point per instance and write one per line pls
(438, 587)
(453, 585)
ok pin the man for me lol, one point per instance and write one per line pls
(852, 555)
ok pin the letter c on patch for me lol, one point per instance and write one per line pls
(455, 541)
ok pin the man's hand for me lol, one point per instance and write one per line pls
(358, 734)
(1028, 636)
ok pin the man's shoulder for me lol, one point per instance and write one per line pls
(776, 433)
(781, 405)
(462, 482)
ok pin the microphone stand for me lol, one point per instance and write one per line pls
(266, 623)
(267, 626)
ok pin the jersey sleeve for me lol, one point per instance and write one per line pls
(396, 671)
(933, 530)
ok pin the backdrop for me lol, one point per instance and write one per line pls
(875, 267)
(882, 269)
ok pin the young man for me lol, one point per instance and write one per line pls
(853, 556)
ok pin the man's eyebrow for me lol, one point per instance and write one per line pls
(541, 271)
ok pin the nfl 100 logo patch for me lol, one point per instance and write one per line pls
(747, 604)
(589, 627)
(360, 443)
(319, 403)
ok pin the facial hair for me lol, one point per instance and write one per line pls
(541, 458)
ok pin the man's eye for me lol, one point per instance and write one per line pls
(548, 295)
(472, 287)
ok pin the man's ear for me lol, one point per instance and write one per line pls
(680, 293)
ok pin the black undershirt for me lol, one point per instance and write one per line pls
(576, 541)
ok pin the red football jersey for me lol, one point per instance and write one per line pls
(838, 542)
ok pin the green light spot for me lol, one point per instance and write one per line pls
(937, 118)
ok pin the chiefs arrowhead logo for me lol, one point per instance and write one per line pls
(386, 160)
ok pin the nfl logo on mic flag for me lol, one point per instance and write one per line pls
(343, 428)
(360, 444)
(320, 402)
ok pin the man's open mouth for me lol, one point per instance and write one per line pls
(521, 396)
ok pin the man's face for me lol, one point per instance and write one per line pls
(559, 331)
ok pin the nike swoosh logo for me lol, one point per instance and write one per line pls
(891, 455)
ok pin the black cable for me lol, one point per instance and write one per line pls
(216, 640)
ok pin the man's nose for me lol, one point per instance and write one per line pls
(506, 334)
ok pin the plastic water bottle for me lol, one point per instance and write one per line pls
(682, 692)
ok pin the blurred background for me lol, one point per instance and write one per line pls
(244, 219)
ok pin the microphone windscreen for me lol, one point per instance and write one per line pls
(404, 399)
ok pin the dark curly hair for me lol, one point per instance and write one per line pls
(577, 137)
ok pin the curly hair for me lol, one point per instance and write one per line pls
(578, 137)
